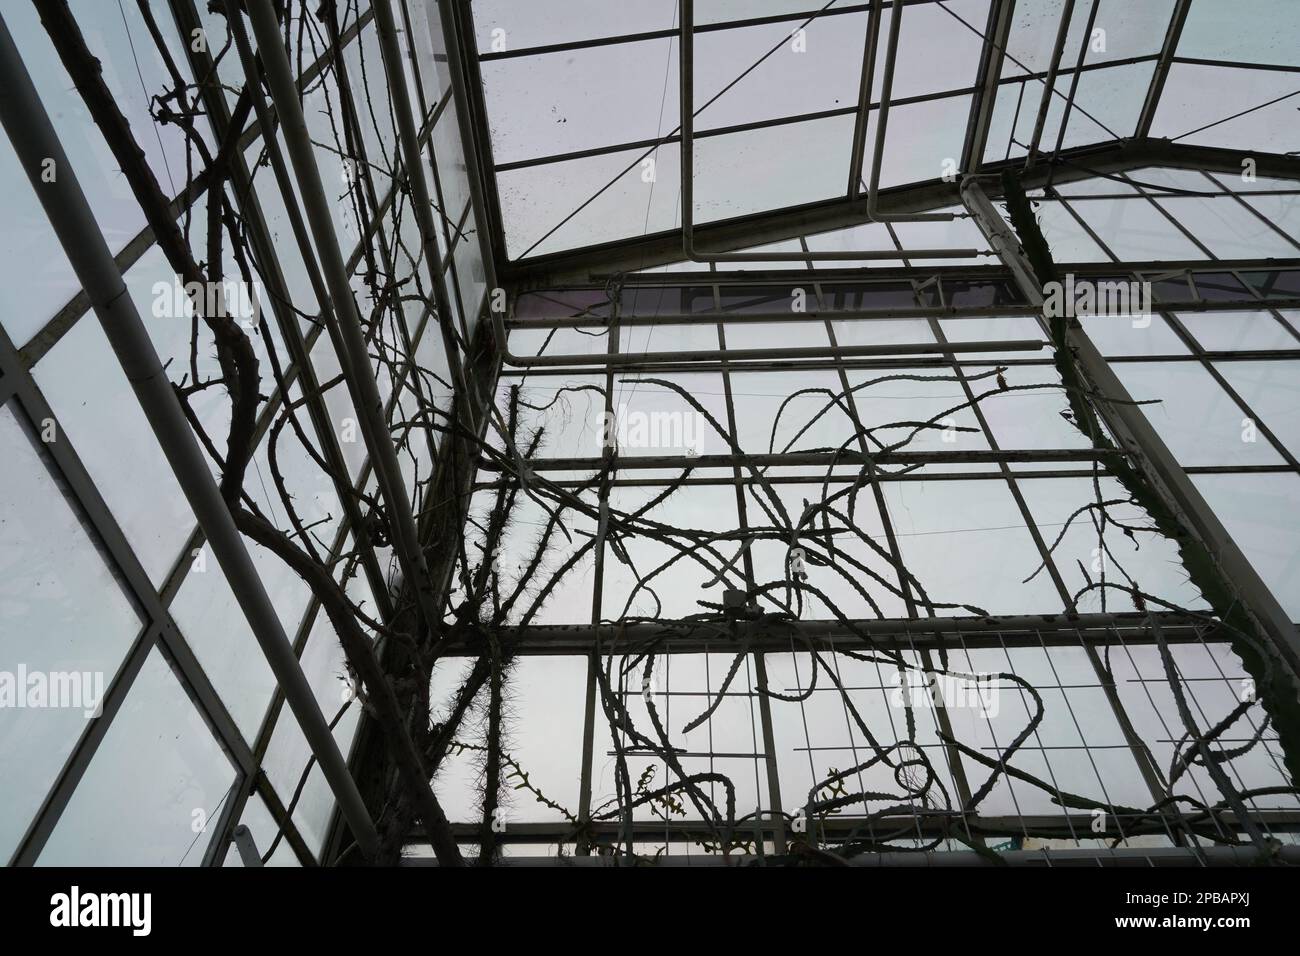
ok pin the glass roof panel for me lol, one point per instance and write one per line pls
(509, 25)
(820, 72)
(923, 140)
(1107, 103)
(1245, 31)
(1224, 106)
(788, 72)
(915, 73)
(640, 197)
(760, 169)
(557, 103)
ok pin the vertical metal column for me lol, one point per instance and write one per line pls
(35, 142)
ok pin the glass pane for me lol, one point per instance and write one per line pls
(1197, 420)
(36, 278)
(793, 410)
(922, 141)
(1259, 512)
(1198, 101)
(1248, 31)
(761, 169)
(206, 609)
(154, 789)
(1271, 390)
(135, 72)
(99, 414)
(1067, 238)
(1228, 229)
(322, 661)
(948, 530)
(668, 589)
(1033, 36)
(1083, 558)
(1238, 331)
(1141, 335)
(1136, 231)
(55, 580)
(563, 102)
(816, 71)
(508, 24)
(641, 196)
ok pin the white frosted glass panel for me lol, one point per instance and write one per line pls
(1126, 335)
(157, 772)
(670, 591)
(761, 169)
(922, 141)
(816, 71)
(134, 72)
(579, 99)
(1107, 104)
(1066, 236)
(1149, 559)
(322, 661)
(98, 413)
(1033, 36)
(1195, 417)
(947, 532)
(807, 421)
(1248, 31)
(916, 409)
(924, 25)
(1259, 512)
(62, 612)
(549, 208)
(1272, 391)
(518, 24)
(1282, 211)
(1030, 418)
(1228, 229)
(1196, 96)
(1135, 230)
(36, 278)
(1238, 331)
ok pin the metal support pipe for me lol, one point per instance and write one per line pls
(686, 63)
(36, 144)
(1074, 87)
(1058, 49)
(612, 359)
(359, 375)
(1001, 14)
(1126, 419)
(882, 123)
(741, 355)
(858, 152)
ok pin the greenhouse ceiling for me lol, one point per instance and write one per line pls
(581, 107)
